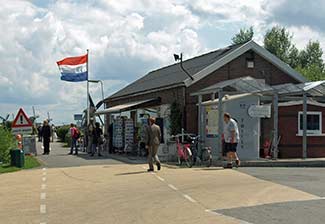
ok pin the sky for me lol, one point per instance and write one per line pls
(126, 39)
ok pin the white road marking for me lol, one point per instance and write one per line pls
(189, 198)
(161, 179)
(229, 217)
(44, 169)
(44, 173)
(172, 187)
(44, 179)
(43, 223)
(43, 196)
(43, 209)
(43, 186)
(144, 167)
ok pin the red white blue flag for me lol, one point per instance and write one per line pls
(74, 69)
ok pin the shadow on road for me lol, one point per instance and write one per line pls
(130, 173)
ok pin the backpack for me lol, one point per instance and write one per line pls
(76, 133)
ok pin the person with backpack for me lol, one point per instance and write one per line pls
(75, 134)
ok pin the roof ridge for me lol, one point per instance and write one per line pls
(198, 56)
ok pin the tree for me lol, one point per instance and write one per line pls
(312, 72)
(175, 118)
(312, 55)
(294, 57)
(278, 42)
(243, 36)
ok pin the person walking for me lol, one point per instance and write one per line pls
(231, 137)
(152, 140)
(97, 135)
(46, 134)
(74, 132)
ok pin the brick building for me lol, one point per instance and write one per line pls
(161, 87)
(171, 83)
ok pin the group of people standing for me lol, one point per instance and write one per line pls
(152, 140)
(95, 139)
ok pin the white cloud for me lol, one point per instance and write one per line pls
(126, 39)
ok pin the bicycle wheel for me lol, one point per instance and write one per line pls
(179, 161)
(189, 157)
(207, 158)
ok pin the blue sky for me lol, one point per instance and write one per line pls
(127, 39)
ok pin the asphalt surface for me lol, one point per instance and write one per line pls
(311, 180)
(59, 157)
(117, 189)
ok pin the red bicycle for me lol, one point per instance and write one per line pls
(184, 153)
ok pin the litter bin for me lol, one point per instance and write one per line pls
(17, 158)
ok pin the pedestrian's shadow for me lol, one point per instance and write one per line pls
(130, 173)
(210, 169)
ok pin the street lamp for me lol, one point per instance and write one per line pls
(180, 58)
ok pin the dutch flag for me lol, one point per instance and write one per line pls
(74, 69)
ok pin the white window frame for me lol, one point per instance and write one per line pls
(310, 132)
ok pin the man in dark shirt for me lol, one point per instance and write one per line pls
(46, 134)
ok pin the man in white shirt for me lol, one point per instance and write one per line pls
(231, 137)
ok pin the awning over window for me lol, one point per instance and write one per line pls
(128, 106)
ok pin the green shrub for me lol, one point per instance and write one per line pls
(62, 132)
(68, 139)
(7, 142)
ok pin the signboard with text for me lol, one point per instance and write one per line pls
(21, 124)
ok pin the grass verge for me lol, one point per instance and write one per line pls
(30, 162)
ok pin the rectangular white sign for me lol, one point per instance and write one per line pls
(22, 130)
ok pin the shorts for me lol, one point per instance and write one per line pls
(230, 147)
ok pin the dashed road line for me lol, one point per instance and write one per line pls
(43, 196)
(172, 187)
(44, 169)
(43, 179)
(43, 186)
(43, 209)
(160, 178)
(189, 198)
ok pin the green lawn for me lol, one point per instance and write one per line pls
(30, 162)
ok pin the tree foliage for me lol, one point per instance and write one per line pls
(278, 41)
(7, 142)
(243, 36)
(175, 118)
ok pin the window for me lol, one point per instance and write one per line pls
(250, 63)
(314, 123)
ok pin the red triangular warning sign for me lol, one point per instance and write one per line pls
(21, 120)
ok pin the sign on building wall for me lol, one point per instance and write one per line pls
(261, 111)
(212, 120)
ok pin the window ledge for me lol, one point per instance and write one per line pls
(312, 135)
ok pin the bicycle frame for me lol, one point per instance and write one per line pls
(181, 149)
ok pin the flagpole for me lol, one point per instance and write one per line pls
(88, 111)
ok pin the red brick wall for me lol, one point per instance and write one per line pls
(291, 145)
(235, 69)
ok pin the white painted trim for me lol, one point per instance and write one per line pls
(311, 132)
(251, 45)
(300, 102)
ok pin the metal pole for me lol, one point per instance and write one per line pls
(200, 122)
(220, 121)
(88, 110)
(275, 125)
(304, 140)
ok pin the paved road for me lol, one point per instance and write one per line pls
(59, 157)
(116, 192)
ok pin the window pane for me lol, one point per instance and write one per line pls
(313, 122)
